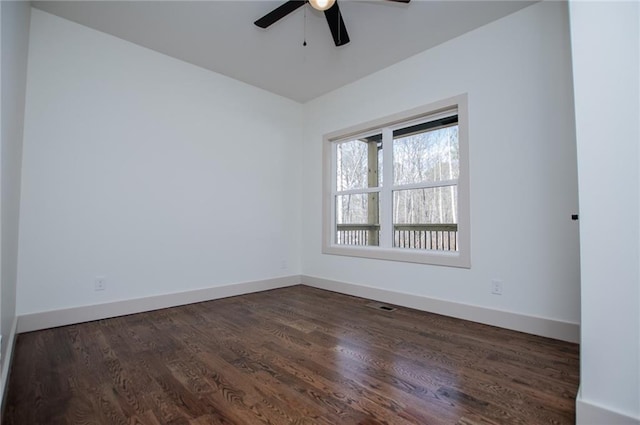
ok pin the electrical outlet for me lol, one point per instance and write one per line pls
(100, 283)
(496, 287)
(283, 265)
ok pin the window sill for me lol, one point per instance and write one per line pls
(406, 255)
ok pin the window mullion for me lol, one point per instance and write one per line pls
(357, 191)
(334, 190)
(427, 185)
(386, 195)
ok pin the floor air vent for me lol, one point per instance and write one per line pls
(380, 306)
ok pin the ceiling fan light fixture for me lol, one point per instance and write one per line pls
(321, 5)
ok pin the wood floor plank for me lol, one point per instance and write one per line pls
(295, 355)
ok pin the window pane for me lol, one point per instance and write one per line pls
(426, 218)
(359, 163)
(427, 156)
(357, 219)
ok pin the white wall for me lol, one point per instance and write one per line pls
(132, 160)
(159, 175)
(517, 73)
(15, 39)
(606, 78)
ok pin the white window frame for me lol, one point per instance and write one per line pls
(386, 125)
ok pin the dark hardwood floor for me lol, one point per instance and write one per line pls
(296, 355)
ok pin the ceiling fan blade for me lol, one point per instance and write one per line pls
(400, 1)
(336, 25)
(278, 13)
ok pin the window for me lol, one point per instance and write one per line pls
(398, 189)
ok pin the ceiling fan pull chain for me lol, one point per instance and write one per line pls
(304, 42)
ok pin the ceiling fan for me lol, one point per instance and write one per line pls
(331, 12)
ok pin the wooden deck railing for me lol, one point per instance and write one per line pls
(355, 234)
(442, 237)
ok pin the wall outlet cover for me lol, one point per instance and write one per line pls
(496, 287)
(100, 283)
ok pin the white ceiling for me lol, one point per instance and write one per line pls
(220, 36)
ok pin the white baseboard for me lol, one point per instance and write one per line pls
(550, 328)
(589, 413)
(504, 319)
(6, 365)
(50, 319)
